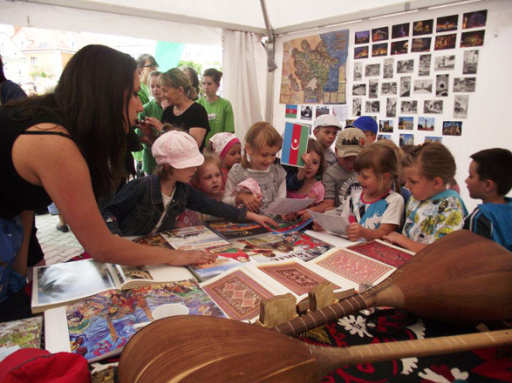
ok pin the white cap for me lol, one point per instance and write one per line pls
(327, 120)
(178, 149)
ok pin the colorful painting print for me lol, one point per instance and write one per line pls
(361, 52)
(354, 267)
(291, 111)
(307, 243)
(426, 123)
(472, 39)
(400, 30)
(423, 27)
(421, 44)
(380, 34)
(238, 295)
(474, 19)
(379, 251)
(452, 128)
(362, 37)
(22, 333)
(379, 50)
(447, 23)
(153, 240)
(294, 276)
(445, 42)
(230, 230)
(399, 47)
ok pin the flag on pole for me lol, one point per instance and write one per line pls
(295, 144)
(291, 111)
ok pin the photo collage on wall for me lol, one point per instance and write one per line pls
(425, 71)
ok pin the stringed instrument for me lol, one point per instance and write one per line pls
(208, 349)
(461, 278)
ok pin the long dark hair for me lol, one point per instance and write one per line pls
(89, 101)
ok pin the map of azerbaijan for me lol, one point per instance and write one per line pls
(314, 69)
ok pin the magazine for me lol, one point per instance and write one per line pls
(63, 283)
(99, 326)
(231, 230)
(192, 238)
(22, 333)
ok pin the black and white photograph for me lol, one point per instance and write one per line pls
(409, 107)
(400, 30)
(380, 34)
(460, 106)
(372, 107)
(424, 65)
(388, 68)
(362, 37)
(464, 84)
(320, 110)
(444, 62)
(306, 113)
(388, 88)
(358, 71)
(386, 126)
(452, 128)
(399, 47)
(421, 44)
(405, 123)
(447, 23)
(391, 107)
(379, 49)
(373, 88)
(470, 63)
(356, 106)
(445, 42)
(406, 139)
(433, 106)
(476, 19)
(359, 90)
(372, 70)
(405, 66)
(427, 124)
(423, 27)
(423, 86)
(405, 86)
(442, 81)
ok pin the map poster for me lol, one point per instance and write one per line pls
(314, 69)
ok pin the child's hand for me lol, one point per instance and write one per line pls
(354, 231)
(317, 227)
(261, 219)
(191, 257)
(290, 217)
(250, 200)
(303, 214)
(393, 237)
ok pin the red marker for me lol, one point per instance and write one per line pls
(352, 218)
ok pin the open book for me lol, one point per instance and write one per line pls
(63, 283)
(240, 291)
(99, 326)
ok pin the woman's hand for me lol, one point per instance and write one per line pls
(261, 219)
(191, 257)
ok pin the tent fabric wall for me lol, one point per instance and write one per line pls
(244, 73)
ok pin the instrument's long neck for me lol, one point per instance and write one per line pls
(333, 357)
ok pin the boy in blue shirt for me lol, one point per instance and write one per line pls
(490, 179)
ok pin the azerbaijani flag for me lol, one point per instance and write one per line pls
(295, 144)
(291, 111)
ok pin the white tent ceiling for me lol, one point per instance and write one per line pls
(197, 21)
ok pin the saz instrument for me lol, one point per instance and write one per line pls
(461, 278)
(207, 349)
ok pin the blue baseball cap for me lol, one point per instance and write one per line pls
(366, 123)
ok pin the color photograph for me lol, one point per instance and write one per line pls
(380, 34)
(452, 128)
(447, 23)
(386, 126)
(426, 123)
(405, 123)
(472, 39)
(476, 19)
(421, 44)
(406, 139)
(379, 50)
(446, 42)
(361, 52)
(400, 30)
(399, 47)
(362, 37)
(423, 27)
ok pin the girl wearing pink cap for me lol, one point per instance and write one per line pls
(229, 149)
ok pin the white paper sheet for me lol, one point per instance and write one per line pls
(288, 205)
(331, 223)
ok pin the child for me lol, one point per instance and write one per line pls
(153, 109)
(262, 142)
(433, 210)
(375, 210)
(369, 126)
(490, 179)
(229, 149)
(340, 179)
(314, 167)
(152, 204)
(326, 129)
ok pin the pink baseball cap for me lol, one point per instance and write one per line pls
(178, 149)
